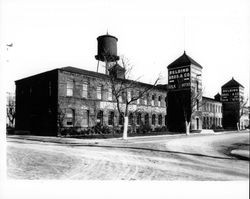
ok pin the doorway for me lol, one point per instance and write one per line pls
(197, 123)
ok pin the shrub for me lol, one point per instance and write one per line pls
(160, 129)
(145, 128)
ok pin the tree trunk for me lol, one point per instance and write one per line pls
(125, 128)
(187, 127)
(238, 126)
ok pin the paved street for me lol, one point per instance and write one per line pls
(178, 157)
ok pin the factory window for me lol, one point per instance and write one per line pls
(146, 119)
(138, 121)
(85, 121)
(153, 119)
(121, 118)
(99, 92)
(197, 104)
(111, 118)
(84, 90)
(100, 117)
(159, 101)
(131, 119)
(110, 94)
(160, 119)
(197, 86)
(153, 100)
(69, 117)
(70, 87)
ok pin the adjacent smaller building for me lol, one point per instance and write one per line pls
(233, 105)
(211, 113)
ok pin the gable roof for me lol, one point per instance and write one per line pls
(183, 60)
(232, 83)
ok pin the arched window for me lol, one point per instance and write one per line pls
(159, 101)
(130, 119)
(111, 118)
(197, 86)
(153, 119)
(69, 117)
(153, 100)
(160, 119)
(146, 118)
(121, 119)
(100, 117)
(138, 120)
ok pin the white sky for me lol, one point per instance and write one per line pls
(54, 33)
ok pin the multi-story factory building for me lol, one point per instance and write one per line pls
(79, 98)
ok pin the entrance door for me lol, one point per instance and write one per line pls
(197, 123)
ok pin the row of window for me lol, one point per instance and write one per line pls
(100, 92)
(135, 119)
(208, 122)
(212, 108)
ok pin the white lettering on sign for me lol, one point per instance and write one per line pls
(179, 78)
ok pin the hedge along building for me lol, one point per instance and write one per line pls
(71, 97)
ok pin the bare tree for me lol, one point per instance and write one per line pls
(11, 110)
(126, 92)
(242, 110)
(190, 106)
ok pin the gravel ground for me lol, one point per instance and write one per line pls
(194, 157)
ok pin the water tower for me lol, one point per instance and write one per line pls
(107, 51)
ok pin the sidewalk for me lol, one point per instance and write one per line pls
(67, 140)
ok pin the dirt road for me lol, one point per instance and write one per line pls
(195, 157)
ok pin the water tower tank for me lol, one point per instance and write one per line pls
(107, 48)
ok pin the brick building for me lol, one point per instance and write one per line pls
(81, 99)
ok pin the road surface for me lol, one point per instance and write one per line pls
(194, 157)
